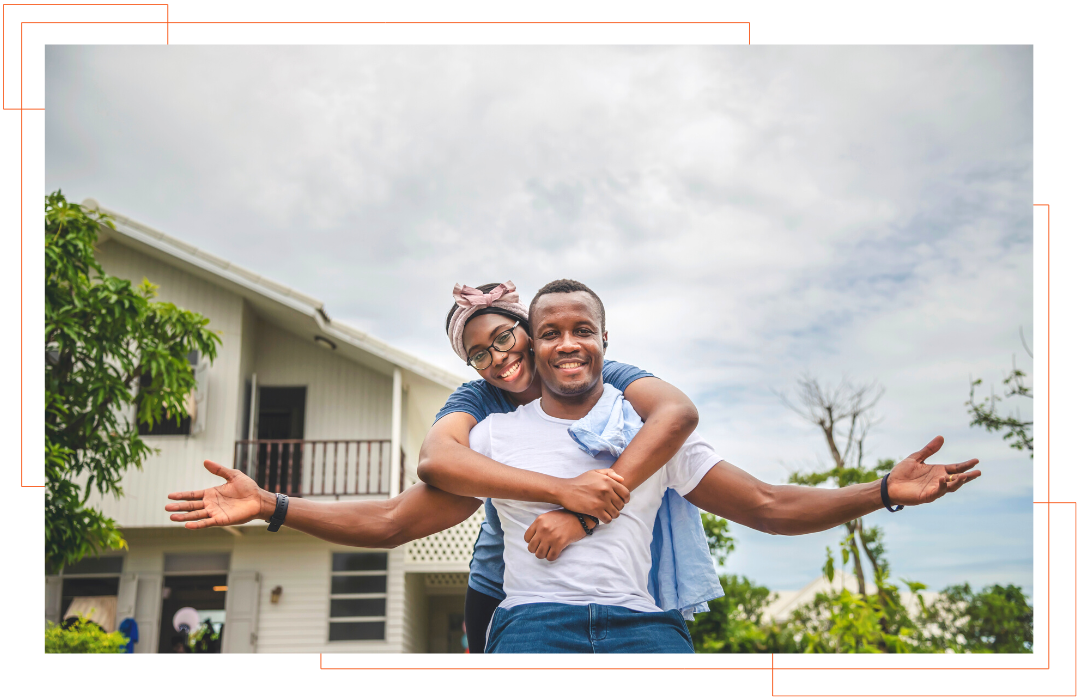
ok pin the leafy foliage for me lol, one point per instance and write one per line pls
(101, 335)
(985, 413)
(871, 539)
(734, 623)
(996, 619)
(82, 637)
(718, 536)
(846, 622)
(205, 639)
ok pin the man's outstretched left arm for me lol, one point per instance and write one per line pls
(731, 493)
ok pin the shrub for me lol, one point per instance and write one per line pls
(82, 637)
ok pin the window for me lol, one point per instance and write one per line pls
(169, 425)
(90, 587)
(95, 565)
(358, 596)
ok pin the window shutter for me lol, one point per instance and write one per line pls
(54, 587)
(202, 380)
(241, 613)
(125, 597)
(148, 612)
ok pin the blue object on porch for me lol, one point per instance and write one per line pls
(130, 629)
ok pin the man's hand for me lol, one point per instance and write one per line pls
(235, 502)
(550, 533)
(598, 493)
(913, 482)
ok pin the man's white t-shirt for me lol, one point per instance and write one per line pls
(610, 567)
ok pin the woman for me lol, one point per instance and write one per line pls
(507, 381)
(488, 329)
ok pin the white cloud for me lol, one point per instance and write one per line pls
(747, 213)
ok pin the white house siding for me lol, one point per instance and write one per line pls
(179, 464)
(415, 623)
(423, 400)
(344, 399)
(301, 565)
(248, 338)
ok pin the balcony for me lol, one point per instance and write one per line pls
(319, 467)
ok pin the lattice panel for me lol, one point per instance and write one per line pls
(453, 546)
(446, 580)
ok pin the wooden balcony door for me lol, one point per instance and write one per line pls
(281, 417)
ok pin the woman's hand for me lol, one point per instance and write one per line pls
(551, 532)
(235, 502)
(598, 493)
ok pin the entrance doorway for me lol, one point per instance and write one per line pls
(281, 417)
(207, 595)
(446, 624)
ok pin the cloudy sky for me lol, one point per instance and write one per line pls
(748, 214)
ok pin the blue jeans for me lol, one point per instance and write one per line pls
(556, 628)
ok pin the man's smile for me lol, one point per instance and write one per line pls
(570, 366)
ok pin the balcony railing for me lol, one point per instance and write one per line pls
(319, 467)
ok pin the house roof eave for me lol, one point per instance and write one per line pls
(263, 292)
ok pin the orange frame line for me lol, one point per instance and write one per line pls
(772, 668)
(3, 43)
(772, 660)
(168, 22)
(22, 109)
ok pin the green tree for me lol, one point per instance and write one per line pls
(844, 622)
(103, 338)
(986, 414)
(996, 619)
(82, 637)
(718, 537)
(844, 414)
(734, 623)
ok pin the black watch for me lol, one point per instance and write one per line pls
(885, 496)
(280, 508)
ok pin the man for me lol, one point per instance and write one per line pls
(594, 597)
(568, 334)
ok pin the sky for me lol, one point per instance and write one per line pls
(748, 214)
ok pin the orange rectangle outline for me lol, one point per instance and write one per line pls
(772, 668)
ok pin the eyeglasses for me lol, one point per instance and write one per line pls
(503, 342)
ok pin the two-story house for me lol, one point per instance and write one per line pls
(305, 405)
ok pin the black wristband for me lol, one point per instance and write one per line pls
(280, 508)
(885, 496)
(581, 518)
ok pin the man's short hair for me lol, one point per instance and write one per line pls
(567, 287)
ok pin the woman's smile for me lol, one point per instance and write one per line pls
(511, 372)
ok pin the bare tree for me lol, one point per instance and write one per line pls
(845, 415)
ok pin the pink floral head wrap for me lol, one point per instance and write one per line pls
(471, 300)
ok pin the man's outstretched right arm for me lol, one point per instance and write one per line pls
(419, 511)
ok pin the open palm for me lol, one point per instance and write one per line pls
(235, 502)
(913, 481)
